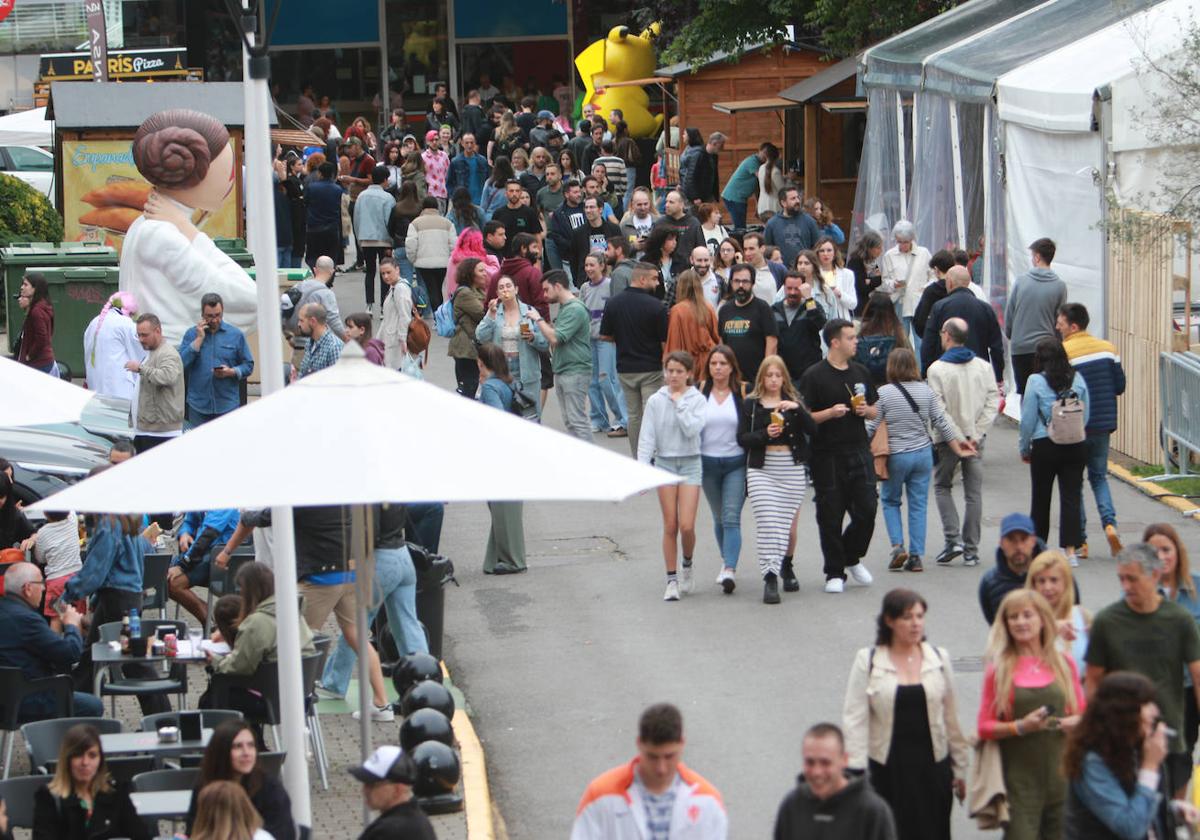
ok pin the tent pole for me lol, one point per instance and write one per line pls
(956, 160)
(989, 213)
(900, 152)
(362, 543)
(260, 224)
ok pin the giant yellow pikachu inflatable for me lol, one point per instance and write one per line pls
(621, 57)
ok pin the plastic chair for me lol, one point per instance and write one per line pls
(14, 688)
(160, 780)
(154, 581)
(18, 793)
(124, 768)
(174, 681)
(43, 738)
(221, 581)
(272, 762)
(209, 718)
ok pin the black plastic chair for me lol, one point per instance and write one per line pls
(125, 768)
(221, 581)
(173, 682)
(272, 762)
(18, 793)
(209, 718)
(14, 688)
(160, 780)
(154, 583)
(43, 738)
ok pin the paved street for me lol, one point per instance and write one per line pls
(557, 663)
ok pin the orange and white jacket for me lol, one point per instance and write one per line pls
(612, 808)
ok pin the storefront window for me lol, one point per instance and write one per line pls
(418, 50)
(43, 26)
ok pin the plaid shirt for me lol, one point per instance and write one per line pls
(321, 354)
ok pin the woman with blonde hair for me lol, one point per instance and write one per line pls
(1050, 576)
(80, 801)
(774, 429)
(692, 324)
(1181, 586)
(1031, 697)
(834, 291)
(224, 812)
(506, 139)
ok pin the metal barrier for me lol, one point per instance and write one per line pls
(1179, 378)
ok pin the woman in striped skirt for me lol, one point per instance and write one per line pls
(774, 431)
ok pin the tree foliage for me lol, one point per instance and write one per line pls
(693, 30)
(26, 214)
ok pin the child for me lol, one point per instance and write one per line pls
(57, 551)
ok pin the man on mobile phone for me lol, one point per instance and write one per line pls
(215, 358)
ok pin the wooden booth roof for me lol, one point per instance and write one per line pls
(101, 105)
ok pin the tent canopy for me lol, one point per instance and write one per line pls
(967, 71)
(1056, 92)
(27, 128)
(899, 61)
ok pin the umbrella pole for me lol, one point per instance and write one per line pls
(260, 232)
(365, 551)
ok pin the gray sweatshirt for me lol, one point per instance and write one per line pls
(671, 428)
(1032, 309)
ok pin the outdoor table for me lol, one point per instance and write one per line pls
(162, 804)
(147, 743)
(104, 655)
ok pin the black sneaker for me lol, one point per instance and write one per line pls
(913, 563)
(899, 555)
(790, 584)
(948, 554)
(770, 588)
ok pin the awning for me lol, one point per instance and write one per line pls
(968, 70)
(742, 106)
(294, 137)
(818, 83)
(899, 61)
(649, 80)
(1056, 92)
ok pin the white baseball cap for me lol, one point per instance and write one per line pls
(388, 763)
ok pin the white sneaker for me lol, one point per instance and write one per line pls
(835, 586)
(672, 593)
(725, 580)
(379, 714)
(1073, 560)
(686, 584)
(859, 574)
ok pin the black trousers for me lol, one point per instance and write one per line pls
(433, 278)
(844, 483)
(1022, 365)
(466, 372)
(111, 605)
(371, 254)
(323, 243)
(1050, 462)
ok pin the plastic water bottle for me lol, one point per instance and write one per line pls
(135, 624)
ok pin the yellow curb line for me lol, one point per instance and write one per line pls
(1149, 488)
(477, 794)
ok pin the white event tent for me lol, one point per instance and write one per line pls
(27, 128)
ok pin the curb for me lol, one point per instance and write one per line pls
(1149, 488)
(477, 795)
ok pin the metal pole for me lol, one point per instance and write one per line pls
(956, 162)
(989, 212)
(899, 150)
(385, 83)
(362, 546)
(260, 233)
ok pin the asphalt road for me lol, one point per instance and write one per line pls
(557, 663)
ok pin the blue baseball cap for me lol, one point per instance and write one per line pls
(1016, 522)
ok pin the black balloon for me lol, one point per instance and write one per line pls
(438, 769)
(414, 668)
(428, 694)
(425, 725)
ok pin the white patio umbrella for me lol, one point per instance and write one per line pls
(33, 398)
(404, 439)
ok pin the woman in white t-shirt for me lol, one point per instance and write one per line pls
(723, 461)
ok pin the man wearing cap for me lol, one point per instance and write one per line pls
(541, 132)
(437, 167)
(1019, 544)
(387, 777)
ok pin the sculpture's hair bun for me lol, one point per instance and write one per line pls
(174, 148)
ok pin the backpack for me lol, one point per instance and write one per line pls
(873, 352)
(443, 318)
(418, 335)
(1065, 425)
(523, 405)
(420, 297)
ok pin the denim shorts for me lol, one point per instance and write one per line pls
(687, 466)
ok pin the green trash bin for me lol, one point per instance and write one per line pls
(236, 249)
(77, 294)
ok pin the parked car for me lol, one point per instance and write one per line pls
(33, 165)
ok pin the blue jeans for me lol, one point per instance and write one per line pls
(283, 256)
(737, 212)
(908, 472)
(724, 483)
(406, 267)
(396, 585)
(1097, 473)
(552, 255)
(605, 388)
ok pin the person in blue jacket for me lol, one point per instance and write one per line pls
(28, 642)
(215, 359)
(202, 535)
(469, 169)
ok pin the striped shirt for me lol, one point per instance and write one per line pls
(908, 432)
(659, 808)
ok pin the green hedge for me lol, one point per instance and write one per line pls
(25, 215)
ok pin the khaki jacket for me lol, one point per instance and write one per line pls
(160, 395)
(870, 704)
(968, 393)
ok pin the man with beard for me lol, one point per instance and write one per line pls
(564, 220)
(747, 323)
(324, 348)
(619, 255)
(800, 321)
(1019, 544)
(591, 236)
(516, 217)
(686, 226)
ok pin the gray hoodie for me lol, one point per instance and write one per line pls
(671, 428)
(1032, 309)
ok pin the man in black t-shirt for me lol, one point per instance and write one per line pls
(747, 324)
(636, 321)
(590, 237)
(517, 217)
(838, 393)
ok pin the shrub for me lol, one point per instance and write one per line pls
(26, 214)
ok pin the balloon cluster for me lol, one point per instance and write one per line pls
(427, 734)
